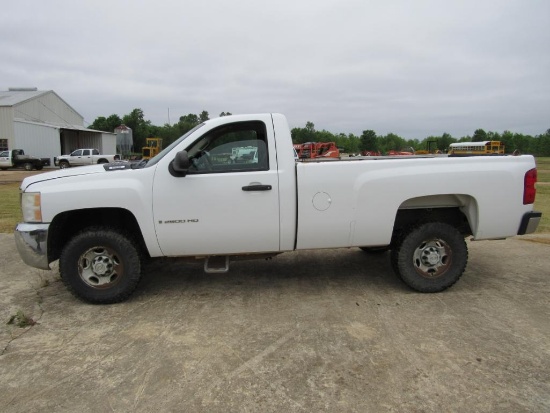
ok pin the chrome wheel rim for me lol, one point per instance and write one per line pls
(100, 267)
(432, 258)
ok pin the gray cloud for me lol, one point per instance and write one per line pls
(412, 68)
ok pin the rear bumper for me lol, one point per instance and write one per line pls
(32, 243)
(529, 222)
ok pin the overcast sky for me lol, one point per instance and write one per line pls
(411, 67)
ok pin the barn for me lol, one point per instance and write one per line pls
(44, 125)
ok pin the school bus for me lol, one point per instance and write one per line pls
(476, 148)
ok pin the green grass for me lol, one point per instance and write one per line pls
(542, 204)
(543, 163)
(10, 210)
(542, 201)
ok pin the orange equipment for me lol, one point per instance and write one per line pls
(312, 150)
(402, 152)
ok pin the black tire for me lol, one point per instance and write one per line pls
(39, 167)
(100, 266)
(375, 250)
(28, 166)
(430, 257)
(63, 164)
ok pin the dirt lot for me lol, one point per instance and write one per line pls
(327, 331)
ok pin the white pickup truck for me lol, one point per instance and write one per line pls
(193, 200)
(80, 157)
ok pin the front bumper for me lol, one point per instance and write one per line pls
(529, 222)
(32, 243)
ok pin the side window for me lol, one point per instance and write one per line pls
(86, 152)
(236, 147)
(95, 152)
(77, 153)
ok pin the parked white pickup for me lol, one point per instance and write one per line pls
(194, 200)
(81, 157)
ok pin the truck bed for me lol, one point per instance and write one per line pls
(354, 201)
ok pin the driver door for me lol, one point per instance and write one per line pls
(228, 203)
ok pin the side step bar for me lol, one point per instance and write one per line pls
(216, 264)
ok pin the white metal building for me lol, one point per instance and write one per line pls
(45, 126)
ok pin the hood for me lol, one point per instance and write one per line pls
(62, 173)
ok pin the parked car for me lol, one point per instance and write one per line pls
(80, 157)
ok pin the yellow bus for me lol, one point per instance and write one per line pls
(476, 148)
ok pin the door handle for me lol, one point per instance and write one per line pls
(257, 188)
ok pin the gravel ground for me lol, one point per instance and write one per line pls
(329, 330)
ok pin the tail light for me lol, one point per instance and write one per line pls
(529, 190)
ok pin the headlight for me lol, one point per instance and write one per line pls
(30, 206)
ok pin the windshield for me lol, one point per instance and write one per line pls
(163, 153)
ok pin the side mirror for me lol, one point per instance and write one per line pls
(179, 165)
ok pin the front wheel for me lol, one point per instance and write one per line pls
(63, 164)
(100, 266)
(431, 257)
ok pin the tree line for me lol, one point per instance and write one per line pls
(142, 128)
(538, 145)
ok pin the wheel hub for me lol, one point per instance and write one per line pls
(100, 267)
(432, 258)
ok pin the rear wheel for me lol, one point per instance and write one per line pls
(28, 166)
(100, 266)
(431, 257)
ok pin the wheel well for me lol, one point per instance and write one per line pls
(67, 224)
(407, 218)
